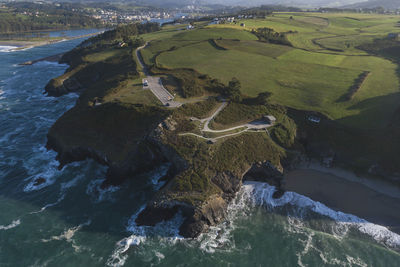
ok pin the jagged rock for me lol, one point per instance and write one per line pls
(39, 181)
(267, 172)
(228, 183)
(152, 215)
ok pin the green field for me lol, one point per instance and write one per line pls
(320, 67)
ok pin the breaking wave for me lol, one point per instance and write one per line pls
(261, 194)
(7, 48)
(165, 232)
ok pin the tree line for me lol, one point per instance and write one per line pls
(271, 36)
(13, 22)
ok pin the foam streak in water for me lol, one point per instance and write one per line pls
(68, 235)
(11, 225)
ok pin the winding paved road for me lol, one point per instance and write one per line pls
(249, 127)
(254, 125)
(155, 84)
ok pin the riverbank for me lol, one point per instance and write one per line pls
(374, 201)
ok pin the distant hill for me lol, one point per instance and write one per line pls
(183, 3)
(296, 3)
(387, 4)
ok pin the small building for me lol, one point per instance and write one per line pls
(190, 27)
(314, 119)
(270, 119)
(122, 44)
(242, 25)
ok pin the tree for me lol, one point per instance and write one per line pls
(263, 98)
(233, 91)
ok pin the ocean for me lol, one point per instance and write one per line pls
(71, 221)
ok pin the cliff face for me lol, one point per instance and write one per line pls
(201, 188)
(132, 139)
(114, 134)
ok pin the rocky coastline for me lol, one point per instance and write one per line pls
(201, 214)
(133, 138)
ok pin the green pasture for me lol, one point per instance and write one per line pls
(255, 47)
(322, 65)
(104, 54)
(297, 78)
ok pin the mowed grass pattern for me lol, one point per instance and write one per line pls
(314, 74)
(297, 78)
(296, 84)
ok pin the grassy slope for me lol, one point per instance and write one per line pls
(296, 84)
(298, 78)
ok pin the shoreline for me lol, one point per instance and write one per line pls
(22, 45)
(340, 190)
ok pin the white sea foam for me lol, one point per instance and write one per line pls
(64, 187)
(7, 48)
(166, 232)
(42, 164)
(68, 235)
(261, 194)
(118, 257)
(254, 194)
(157, 174)
(61, 198)
(49, 174)
(11, 225)
(99, 194)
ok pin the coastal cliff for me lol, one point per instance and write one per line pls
(121, 124)
(202, 179)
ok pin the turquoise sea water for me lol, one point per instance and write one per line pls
(70, 221)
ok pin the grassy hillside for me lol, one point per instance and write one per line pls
(321, 67)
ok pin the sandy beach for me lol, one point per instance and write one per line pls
(20, 45)
(374, 201)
